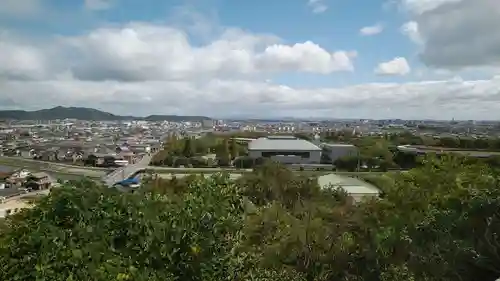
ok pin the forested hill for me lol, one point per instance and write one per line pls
(82, 113)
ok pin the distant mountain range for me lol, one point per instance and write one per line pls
(82, 113)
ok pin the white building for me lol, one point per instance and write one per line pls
(207, 124)
(285, 149)
(357, 189)
(337, 150)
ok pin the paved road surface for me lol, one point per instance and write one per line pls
(127, 171)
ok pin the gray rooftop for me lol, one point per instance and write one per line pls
(282, 145)
(349, 184)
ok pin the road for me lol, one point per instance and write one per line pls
(58, 170)
(127, 171)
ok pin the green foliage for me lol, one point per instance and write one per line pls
(193, 149)
(244, 162)
(235, 152)
(347, 163)
(188, 149)
(223, 153)
(437, 222)
(92, 233)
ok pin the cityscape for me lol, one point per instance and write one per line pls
(203, 140)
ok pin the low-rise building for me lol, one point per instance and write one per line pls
(285, 149)
(335, 151)
(354, 187)
(39, 181)
(17, 178)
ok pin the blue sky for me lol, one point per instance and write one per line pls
(324, 58)
(333, 29)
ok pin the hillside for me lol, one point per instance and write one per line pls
(83, 113)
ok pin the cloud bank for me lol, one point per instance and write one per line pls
(143, 68)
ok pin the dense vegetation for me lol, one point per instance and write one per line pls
(376, 153)
(189, 151)
(439, 221)
(403, 138)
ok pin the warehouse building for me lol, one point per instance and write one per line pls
(335, 151)
(354, 187)
(285, 149)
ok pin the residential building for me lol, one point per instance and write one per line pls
(39, 181)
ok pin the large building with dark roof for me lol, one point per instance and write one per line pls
(285, 149)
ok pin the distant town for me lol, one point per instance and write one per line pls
(36, 154)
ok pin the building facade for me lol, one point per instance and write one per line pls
(335, 151)
(285, 149)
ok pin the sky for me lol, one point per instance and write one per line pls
(377, 59)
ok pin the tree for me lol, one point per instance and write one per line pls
(223, 153)
(188, 149)
(450, 142)
(93, 233)
(234, 149)
(91, 160)
(244, 162)
(348, 163)
(437, 222)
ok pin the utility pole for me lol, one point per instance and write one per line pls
(359, 161)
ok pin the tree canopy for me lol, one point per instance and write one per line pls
(439, 221)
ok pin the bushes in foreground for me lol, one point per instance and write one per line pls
(437, 222)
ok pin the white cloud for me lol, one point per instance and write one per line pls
(20, 8)
(371, 30)
(422, 6)
(397, 66)
(455, 34)
(21, 61)
(317, 6)
(411, 30)
(435, 99)
(98, 4)
(140, 51)
(154, 69)
(307, 57)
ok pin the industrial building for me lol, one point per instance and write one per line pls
(335, 151)
(285, 149)
(354, 187)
